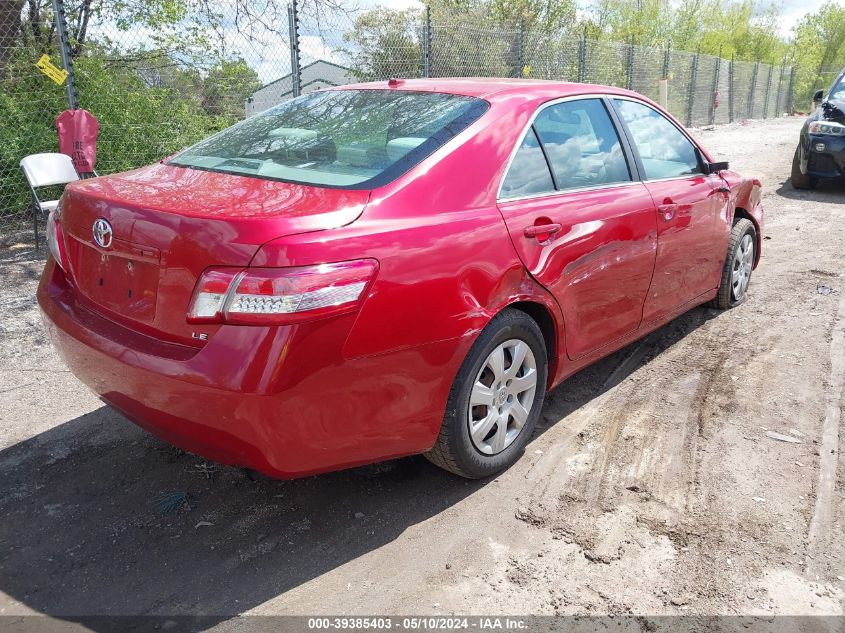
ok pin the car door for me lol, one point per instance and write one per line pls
(582, 223)
(690, 234)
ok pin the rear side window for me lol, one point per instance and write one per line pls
(664, 150)
(529, 172)
(582, 145)
(357, 139)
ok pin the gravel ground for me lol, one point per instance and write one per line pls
(650, 488)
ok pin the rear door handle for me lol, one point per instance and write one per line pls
(542, 230)
(668, 211)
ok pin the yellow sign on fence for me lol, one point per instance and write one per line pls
(53, 72)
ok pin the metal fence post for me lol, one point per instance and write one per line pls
(716, 76)
(295, 69)
(629, 74)
(582, 57)
(520, 51)
(779, 99)
(693, 73)
(790, 95)
(427, 43)
(731, 89)
(663, 83)
(768, 91)
(750, 109)
(66, 53)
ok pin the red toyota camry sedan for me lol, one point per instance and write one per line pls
(390, 268)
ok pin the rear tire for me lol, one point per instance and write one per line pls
(800, 180)
(736, 272)
(495, 400)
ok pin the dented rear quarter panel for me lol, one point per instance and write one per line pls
(746, 194)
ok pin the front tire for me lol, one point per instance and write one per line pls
(495, 400)
(800, 180)
(739, 262)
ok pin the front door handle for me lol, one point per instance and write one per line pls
(544, 231)
(667, 211)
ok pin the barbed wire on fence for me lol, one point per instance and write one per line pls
(159, 83)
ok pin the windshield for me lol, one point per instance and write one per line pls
(339, 138)
(838, 91)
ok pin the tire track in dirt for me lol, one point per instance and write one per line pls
(820, 524)
(650, 442)
(544, 472)
(637, 474)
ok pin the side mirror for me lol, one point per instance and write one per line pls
(714, 168)
(818, 96)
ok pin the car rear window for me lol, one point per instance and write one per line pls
(354, 139)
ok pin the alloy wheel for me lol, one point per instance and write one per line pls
(742, 265)
(502, 396)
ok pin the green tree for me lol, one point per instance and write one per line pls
(226, 86)
(819, 50)
(535, 16)
(645, 22)
(385, 43)
(747, 30)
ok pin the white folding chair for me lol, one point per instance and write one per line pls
(46, 170)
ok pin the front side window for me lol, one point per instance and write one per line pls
(581, 144)
(338, 138)
(664, 151)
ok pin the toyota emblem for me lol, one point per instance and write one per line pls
(102, 233)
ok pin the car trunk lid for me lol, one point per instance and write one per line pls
(161, 226)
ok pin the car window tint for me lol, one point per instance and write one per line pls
(529, 173)
(582, 144)
(664, 151)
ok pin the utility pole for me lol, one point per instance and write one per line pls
(293, 26)
(427, 43)
(64, 49)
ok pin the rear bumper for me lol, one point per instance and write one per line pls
(825, 156)
(280, 400)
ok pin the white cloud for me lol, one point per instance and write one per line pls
(794, 10)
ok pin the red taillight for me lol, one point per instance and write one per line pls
(261, 296)
(55, 241)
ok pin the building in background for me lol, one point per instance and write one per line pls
(316, 75)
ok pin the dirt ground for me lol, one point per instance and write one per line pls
(650, 488)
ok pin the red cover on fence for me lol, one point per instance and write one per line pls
(78, 130)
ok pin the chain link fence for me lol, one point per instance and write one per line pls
(160, 79)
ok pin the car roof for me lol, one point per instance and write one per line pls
(490, 89)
